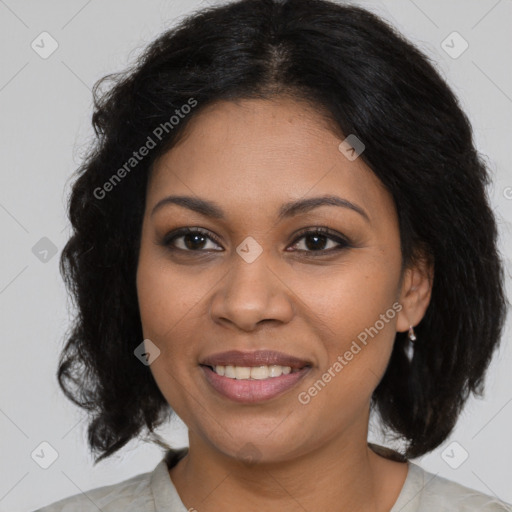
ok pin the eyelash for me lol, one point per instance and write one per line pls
(330, 235)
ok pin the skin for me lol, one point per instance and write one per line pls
(250, 157)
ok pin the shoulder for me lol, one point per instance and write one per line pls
(426, 491)
(133, 494)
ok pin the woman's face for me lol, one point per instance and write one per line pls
(252, 281)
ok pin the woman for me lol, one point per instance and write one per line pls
(281, 228)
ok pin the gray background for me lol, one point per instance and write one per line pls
(45, 127)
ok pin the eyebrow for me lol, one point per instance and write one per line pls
(287, 210)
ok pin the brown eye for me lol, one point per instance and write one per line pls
(193, 240)
(319, 239)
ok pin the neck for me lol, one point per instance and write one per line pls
(343, 474)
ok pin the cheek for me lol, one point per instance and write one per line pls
(172, 308)
(359, 306)
(152, 295)
(353, 296)
(166, 311)
(167, 294)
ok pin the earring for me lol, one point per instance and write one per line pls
(409, 347)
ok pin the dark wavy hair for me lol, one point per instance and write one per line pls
(370, 81)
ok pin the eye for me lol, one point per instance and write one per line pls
(193, 239)
(315, 240)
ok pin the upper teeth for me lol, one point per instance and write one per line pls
(255, 372)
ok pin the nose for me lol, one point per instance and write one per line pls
(251, 294)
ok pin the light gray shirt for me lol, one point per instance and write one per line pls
(154, 491)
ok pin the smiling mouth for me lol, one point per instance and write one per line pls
(254, 377)
(253, 384)
(252, 372)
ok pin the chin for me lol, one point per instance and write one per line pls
(258, 446)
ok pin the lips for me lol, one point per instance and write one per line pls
(251, 390)
(256, 358)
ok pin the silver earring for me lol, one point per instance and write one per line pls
(409, 347)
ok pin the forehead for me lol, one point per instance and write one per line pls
(260, 153)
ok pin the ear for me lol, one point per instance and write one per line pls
(415, 293)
